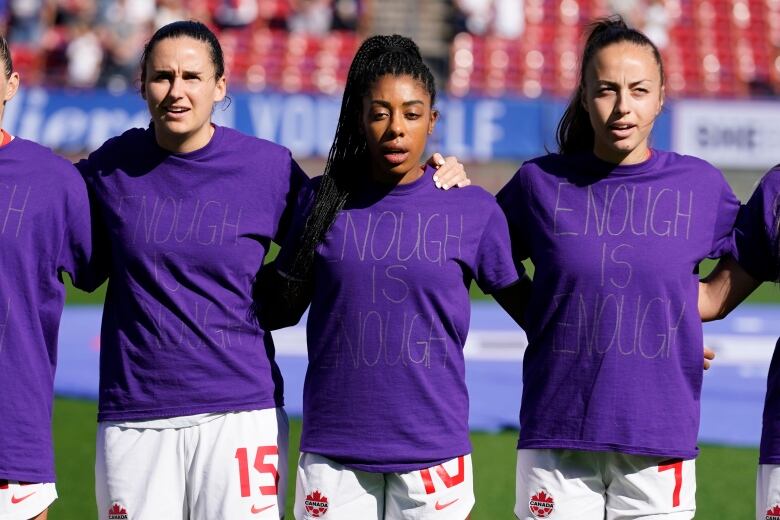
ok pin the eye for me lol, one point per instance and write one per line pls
(378, 115)
(413, 115)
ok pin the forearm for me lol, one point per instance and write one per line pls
(724, 288)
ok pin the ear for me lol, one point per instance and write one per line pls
(221, 89)
(143, 90)
(663, 98)
(12, 86)
(433, 120)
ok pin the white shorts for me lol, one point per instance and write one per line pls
(24, 501)
(231, 466)
(564, 484)
(326, 489)
(768, 492)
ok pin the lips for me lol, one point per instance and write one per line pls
(175, 112)
(395, 155)
(621, 130)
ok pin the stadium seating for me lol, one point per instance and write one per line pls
(716, 48)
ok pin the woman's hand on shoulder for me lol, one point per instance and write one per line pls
(449, 172)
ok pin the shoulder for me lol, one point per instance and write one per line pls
(536, 170)
(43, 160)
(770, 182)
(249, 144)
(687, 164)
(132, 144)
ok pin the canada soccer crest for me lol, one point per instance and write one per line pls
(117, 512)
(773, 513)
(541, 504)
(316, 504)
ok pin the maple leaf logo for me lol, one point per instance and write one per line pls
(316, 504)
(117, 512)
(773, 513)
(541, 504)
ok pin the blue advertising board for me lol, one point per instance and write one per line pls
(473, 129)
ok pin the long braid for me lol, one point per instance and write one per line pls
(347, 160)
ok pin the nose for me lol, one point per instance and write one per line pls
(622, 106)
(177, 83)
(397, 126)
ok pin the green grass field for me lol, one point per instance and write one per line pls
(725, 475)
(766, 293)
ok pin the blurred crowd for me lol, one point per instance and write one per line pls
(98, 43)
(728, 48)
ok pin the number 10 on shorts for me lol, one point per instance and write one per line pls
(268, 471)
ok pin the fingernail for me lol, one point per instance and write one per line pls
(435, 178)
(446, 187)
(438, 184)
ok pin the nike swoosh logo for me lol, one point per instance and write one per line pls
(15, 500)
(439, 506)
(256, 510)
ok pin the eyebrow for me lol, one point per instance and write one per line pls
(172, 72)
(387, 104)
(615, 84)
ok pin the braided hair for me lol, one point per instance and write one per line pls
(348, 157)
(575, 132)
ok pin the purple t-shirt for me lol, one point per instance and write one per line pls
(755, 248)
(385, 389)
(187, 233)
(614, 361)
(44, 230)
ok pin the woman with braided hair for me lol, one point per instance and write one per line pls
(386, 261)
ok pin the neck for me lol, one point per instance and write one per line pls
(635, 156)
(388, 178)
(184, 143)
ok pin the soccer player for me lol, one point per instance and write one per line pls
(44, 231)
(191, 423)
(756, 259)
(616, 229)
(386, 261)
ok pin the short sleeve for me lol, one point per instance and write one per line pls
(300, 210)
(297, 181)
(77, 252)
(494, 268)
(725, 216)
(511, 200)
(756, 231)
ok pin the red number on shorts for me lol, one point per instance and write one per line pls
(261, 466)
(449, 481)
(676, 465)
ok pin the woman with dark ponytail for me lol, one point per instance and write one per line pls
(616, 229)
(386, 261)
(755, 259)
